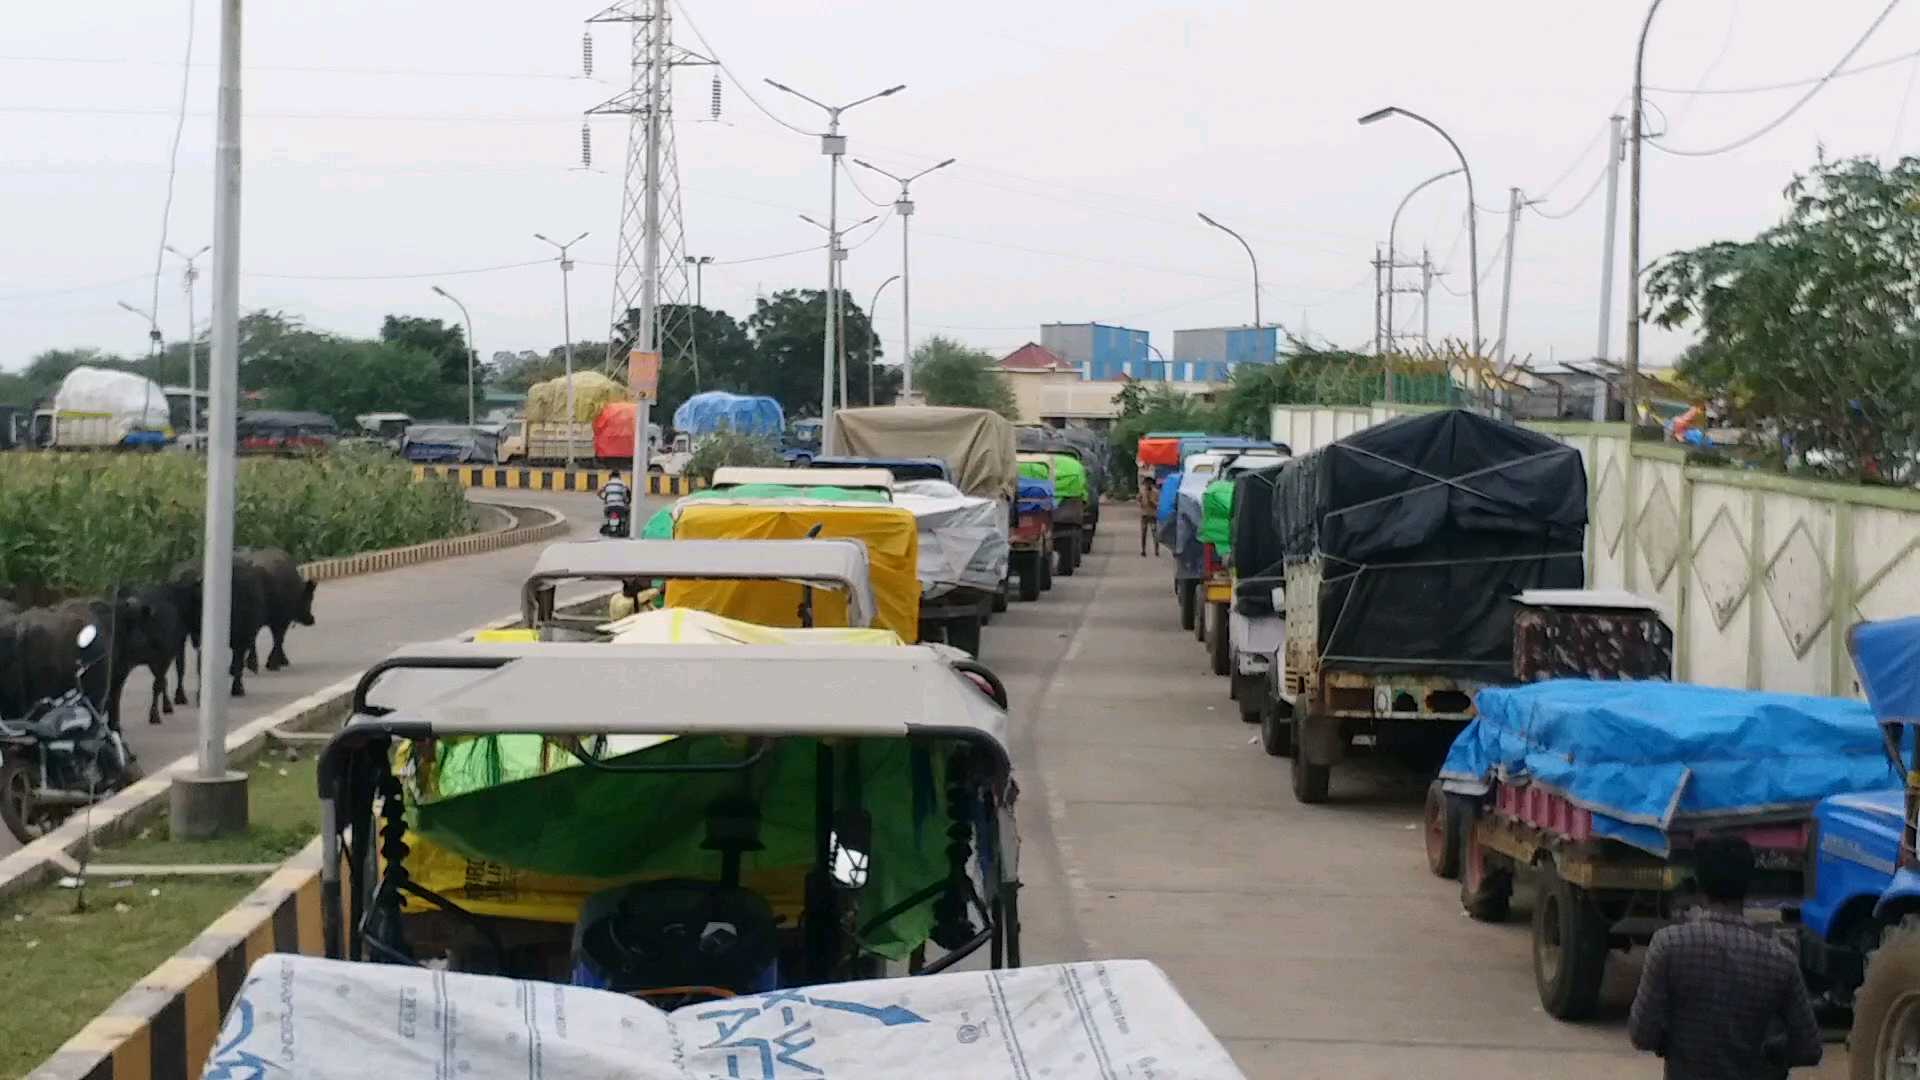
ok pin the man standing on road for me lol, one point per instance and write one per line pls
(1720, 998)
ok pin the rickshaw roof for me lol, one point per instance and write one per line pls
(735, 475)
(576, 688)
(836, 563)
(1886, 655)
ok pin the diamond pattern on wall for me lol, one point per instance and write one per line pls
(1800, 587)
(1610, 505)
(1659, 533)
(1720, 567)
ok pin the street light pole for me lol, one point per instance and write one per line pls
(699, 263)
(1473, 231)
(1256, 265)
(191, 274)
(871, 306)
(1637, 120)
(1393, 253)
(472, 352)
(834, 146)
(566, 320)
(903, 206)
(1165, 364)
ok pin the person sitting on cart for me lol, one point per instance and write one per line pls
(1719, 997)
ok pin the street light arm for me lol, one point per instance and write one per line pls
(889, 92)
(788, 89)
(1250, 258)
(928, 169)
(1417, 189)
(881, 171)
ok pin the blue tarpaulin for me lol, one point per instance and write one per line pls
(704, 414)
(1035, 495)
(1647, 757)
(1887, 657)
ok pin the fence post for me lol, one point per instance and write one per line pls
(1683, 592)
(1842, 598)
(1756, 588)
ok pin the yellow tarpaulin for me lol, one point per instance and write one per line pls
(893, 552)
(686, 626)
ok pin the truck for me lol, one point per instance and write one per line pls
(97, 409)
(1405, 545)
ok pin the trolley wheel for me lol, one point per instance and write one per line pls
(1046, 570)
(1188, 592)
(1441, 826)
(1219, 647)
(1569, 948)
(1068, 548)
(1276, 732)
(1486, 879)
(964, 634)
(1310, 781)
(1886, 1008)
(1029, 579)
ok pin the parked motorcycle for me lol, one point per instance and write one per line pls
(61, 756)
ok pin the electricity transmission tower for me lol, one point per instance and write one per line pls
(674, 332)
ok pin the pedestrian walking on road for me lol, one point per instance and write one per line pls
(1720, 999)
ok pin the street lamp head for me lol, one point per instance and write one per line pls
(1208, 220)
(1380, 114)
(944, 164)
(813, 223)
(780, 86)
(442, 292)
(892, 90)
(541, 236)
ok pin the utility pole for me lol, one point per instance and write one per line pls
(213, 800)
(699, 263)
(1379, 265)
(1602, 350)
(191, 274)
(1514, 204)
(1426, 296)
(837, 257)
(649, 329)
(834, 146)
(1638, 125)
(903, 206)
(566, 322)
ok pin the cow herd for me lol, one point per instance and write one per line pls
(150, 626)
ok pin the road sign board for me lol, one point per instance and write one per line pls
(643, 374)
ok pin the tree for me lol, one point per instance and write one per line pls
(343, 377)
(445, 342)
(787, 330)
(1148, 407)
(1808, 330)
(716, 339)
(949, 373)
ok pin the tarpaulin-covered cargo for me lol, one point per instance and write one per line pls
(893, 552)
(717, 410)
(1650, 758)
(128, 406)
(1216, 517)
(1035, 495)
(335, 1020)
(963, 540)
(1425, 528)
(1887, 657)
(613, 431)
(660, 525)
(976, 444)
(1069, 477)
(1184, 535)
(592, 391)
(452, 442)
(1255, 543)
(1589, 634)
(1162, 451)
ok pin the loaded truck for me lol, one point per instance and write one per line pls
(1405, 546)
(97, 409)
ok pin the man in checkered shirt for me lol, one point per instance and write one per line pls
(1720, 998)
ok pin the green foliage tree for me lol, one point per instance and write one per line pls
(723, 448)
(1148, 407)
(786, 330)
(950, 373)
(445, 342)
(1808, 330)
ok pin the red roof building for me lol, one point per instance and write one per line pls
(1032, 357)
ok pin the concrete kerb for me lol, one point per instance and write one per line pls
(370, 562)
(116, 817)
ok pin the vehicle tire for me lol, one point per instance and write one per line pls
(1029, 579)
(1486, 882)
(1068, 548)
(1200, 618)
(1000, 599)
(1440, 826)
(1219, 647)
(1276, 733)
(1046, 570)
(1310, 781)
(964, 634)
(1886, 1008)
(1570, 949)
(24, 817)
(1251, 714)
(1086, 541)
(1188, 592)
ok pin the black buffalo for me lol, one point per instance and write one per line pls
(162, 642)
(289, 600)
(42, 654)
(248, 615)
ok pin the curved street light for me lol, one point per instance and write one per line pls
(1473, 229)
(472, 353)
(1393, 230)
(1250, 258)
(873, 305)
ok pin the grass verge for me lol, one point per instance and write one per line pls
(66, 954)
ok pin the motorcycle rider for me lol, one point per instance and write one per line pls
(614, 494)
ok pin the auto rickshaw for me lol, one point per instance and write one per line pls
(567, 811)
(1032, 539)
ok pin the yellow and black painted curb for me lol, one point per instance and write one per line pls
(165, 1027)
(372, 562)
(538, 479)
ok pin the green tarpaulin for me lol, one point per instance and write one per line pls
(1036, 470)
(1069, 477)
(1216, 517)
(660, 525)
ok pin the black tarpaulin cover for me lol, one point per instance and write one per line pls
(1427, 527)
(1257, 552)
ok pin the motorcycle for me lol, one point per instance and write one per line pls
(63, 755)
(613, 520)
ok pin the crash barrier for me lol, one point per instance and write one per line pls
(1758, 574)
(372, 562)
(164, 1028)
(532, 479)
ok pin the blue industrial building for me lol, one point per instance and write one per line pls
(1210, 355)
(1098, 351)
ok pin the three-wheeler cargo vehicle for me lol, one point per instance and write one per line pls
(1032, 538)
(1256, 622)
(1600, 789)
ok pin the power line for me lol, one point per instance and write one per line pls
(1578, 203)
(1761, 88)
(855, 181)
(1819, 85)
(173, 170)
(403, 277)
(738, 83)
(765, 258)
(304, 69)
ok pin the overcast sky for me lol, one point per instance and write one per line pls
(426, 138)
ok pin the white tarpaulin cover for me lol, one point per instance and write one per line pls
(963, 540)
(333, 1020)
(135, 402)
